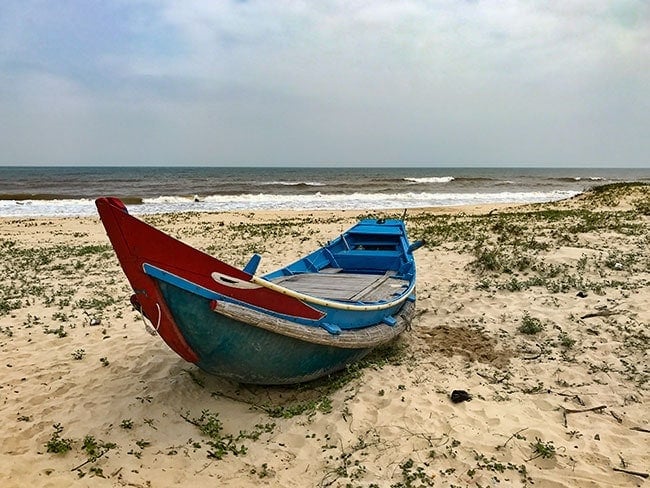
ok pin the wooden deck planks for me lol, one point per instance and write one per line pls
(345, 286)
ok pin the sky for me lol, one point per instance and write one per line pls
(374, 82)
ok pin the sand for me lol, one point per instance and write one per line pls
(539, 312)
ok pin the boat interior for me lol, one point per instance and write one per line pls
(368, 264)
(334, 284)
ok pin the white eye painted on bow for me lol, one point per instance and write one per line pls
(231, 282)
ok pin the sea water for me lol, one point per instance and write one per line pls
(71, 191)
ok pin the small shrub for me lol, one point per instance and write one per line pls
(95, 449)
(58, 444)
(221, 444)
(566, 341)
(530, 325)
(545, 450)
(60, 332)
(488, 259)
(79, 354)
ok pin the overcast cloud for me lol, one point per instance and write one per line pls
(440, 82)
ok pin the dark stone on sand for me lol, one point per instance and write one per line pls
(458, 396)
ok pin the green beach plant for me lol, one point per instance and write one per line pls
(530, 325)
(545, 450)
(57, 444)
(79, 354)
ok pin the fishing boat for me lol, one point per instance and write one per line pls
(303, 321)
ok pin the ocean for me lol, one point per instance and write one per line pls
(70, 191)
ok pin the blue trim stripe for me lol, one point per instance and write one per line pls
(201, 291)
(179, 282)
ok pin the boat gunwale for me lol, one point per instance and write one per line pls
(307, 299)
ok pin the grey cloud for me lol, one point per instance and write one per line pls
(406, 82)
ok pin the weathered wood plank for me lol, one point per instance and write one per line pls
(345, 286)
(371, 287)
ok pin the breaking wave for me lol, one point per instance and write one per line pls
(292, 183)
(267, 201)
(431, 179)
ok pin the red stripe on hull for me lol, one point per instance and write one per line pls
(136, 243)
(148, 295)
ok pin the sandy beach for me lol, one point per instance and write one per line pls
(540, 312)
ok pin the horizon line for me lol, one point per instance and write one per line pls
(332, 165)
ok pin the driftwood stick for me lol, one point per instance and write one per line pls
(90, 460)
(566, 411)
(618, 418)
(601, 313)
(641, 429)
(583, 410)
(189, 420)
(573, 396)
(634, 473)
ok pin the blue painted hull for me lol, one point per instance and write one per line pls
(248, 354)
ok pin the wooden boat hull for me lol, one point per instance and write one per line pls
(245, 353)
(252, 329)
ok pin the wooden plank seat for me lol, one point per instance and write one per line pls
(353, 287)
